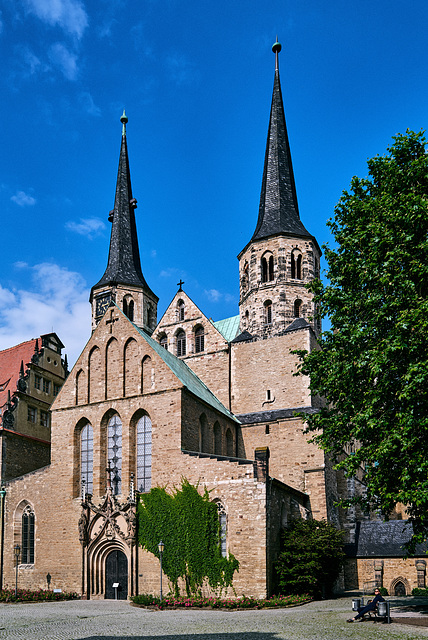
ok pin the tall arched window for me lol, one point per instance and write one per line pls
(223, 528)
(270, 269)
(128, 308)
(199, 340)
(114, 452)
(268, 312)
(296, 265)
(204, 436)
(264, 270)
(27, 536)
(180, 309)
(229, 443)
(87, 457)
(144, 454)
(164, 342)
(297, 308)
(217, 439)
(181, 343)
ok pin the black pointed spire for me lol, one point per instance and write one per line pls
(278, 210)
(124, 266)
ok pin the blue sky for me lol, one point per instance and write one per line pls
(196, 81)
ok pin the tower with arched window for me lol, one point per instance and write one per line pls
(123, 281)
(282, 256)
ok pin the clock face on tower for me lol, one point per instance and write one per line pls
(101, 304)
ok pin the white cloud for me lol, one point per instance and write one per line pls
(64, 59)
(214, 295)
(88, 104)
(89, 227)
(181, 69)
(23, 199)
(168, 273)
(55, 300)
(69, 15)
(153, 253)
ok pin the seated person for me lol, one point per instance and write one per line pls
(371, 606)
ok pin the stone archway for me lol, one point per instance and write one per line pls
(399, 587)
(116, 572)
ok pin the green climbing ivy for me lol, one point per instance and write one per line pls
(187, 523)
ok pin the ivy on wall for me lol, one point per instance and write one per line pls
(187, 522)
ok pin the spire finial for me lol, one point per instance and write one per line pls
(276, 48)
(124, 120)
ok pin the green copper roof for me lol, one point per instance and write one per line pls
(229, 327)
(186, 376)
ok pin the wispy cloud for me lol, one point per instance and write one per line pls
(89, 227)
(69, 15)
(64, 59)
(23, 199)
(88, 104)
(182, 71)
(214, 295)
(56, 299)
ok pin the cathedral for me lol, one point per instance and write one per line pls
(151, 401)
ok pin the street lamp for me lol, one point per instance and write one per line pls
(17, 552)
(161, 547)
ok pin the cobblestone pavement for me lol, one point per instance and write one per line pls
(110, 620)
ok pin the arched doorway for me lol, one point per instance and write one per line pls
(116, 572)
(399, 589)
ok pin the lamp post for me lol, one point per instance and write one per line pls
(161, 547)
(17, 551)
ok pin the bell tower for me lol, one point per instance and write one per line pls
(123, 281)
(282, 256)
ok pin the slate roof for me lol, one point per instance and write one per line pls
(228, 327)
(10, 364)
(245, 336)
(185, 374)
(278, 209)
(124, 265)
(383, 540)
(272, 416)
(298, 323)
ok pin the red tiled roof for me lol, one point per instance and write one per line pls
(10, 364)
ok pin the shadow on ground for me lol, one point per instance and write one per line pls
(203, 636)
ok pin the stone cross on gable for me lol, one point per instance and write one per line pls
(180, 285)
(111, 320)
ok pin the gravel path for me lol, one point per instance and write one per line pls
(110, 620)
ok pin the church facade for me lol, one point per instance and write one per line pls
(149, 402)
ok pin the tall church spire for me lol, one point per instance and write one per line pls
(278, 210)
(123, 274)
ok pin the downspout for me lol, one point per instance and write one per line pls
(2, 501)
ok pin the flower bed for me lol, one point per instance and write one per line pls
(39, 595)
(169, 602)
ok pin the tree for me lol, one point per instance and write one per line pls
(311, 559)
(188, 524)
(372, 367)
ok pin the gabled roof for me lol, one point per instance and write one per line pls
(185, 374)
(124, 265)
(228, 327)
(10, 364)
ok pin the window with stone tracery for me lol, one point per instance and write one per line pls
(87, 458)
(27, 536)
(144, 454)
(114, 452)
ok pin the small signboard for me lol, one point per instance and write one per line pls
(115, 585)
(57, 590)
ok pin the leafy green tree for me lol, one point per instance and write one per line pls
(311, 559)
(372, 367)
(188, 524)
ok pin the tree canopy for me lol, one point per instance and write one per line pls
(372, 367)
(188, 524)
